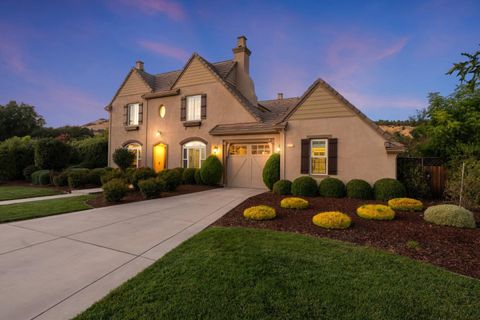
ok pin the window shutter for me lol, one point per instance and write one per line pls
(332, 156)
(125, 115)
(204, 106)
(305, 157)
(140, 113)
(183, 110)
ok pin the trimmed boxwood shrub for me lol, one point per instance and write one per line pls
(282, 187)
(52, 154)
(112, 174)
(271, 170)
(95, 175)
(304, 186)
(332, 188)
(359, 189)
(151, 188)
(123, 158)
(261, 212)
(198, 177)
(180, 170)
(387, 188)
(294, 203)
(41, 177)
(172, 179)
(78, 178)
(450, 215)
(141, 174)
(115, 190)
(189, 176)
(27, 172)
(211, 171)
(61, 179)
(332, 220)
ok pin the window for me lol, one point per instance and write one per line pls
(260, 149)
(238, 150)
(137, 149)
(194, 108)
(133, 114)
(162, 110)
(194, 153)
(318, 156)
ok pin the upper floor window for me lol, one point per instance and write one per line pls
(194, 108)
(133, 114)
(318, 156)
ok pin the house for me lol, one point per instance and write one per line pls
(178, 118)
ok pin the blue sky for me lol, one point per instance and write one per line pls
(68, 57)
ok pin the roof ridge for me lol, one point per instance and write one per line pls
(279, 99)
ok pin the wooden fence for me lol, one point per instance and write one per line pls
(434, 168)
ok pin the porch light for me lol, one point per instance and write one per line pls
(278, 149)
(158, 133)
(215, 150)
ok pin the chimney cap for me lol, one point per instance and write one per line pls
(139, 65)
(280, 95)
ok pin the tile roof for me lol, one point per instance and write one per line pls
(277, 108)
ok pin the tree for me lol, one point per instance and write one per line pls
(52, 154)
(123, 158)
(18, 120)
(66, 133)
(466, 69)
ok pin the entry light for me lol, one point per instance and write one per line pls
(278, 149)
(215, 150)
(158, 133)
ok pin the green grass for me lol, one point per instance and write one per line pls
(241, 273)
(21, 192)
(42, 208)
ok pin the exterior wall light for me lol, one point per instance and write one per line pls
(158, 133)
(215, 150)
(278, 149)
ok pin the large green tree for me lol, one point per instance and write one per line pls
(468, 71)
(18, 120)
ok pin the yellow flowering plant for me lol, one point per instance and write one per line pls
(375, 212)
(260, 213)
(405, 204)
(294, 203)
(332, 220)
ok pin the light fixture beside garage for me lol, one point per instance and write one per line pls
(215, 150)
(278, 149)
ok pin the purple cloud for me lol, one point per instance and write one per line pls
(171, 8)
(164, 49)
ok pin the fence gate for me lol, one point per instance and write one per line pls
(434, 169)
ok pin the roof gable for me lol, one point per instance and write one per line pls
(194, 73)
(134, 83)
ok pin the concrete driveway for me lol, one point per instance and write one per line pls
(55, 267)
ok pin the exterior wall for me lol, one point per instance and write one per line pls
(196, 74)
(361, 151)
(134, 85)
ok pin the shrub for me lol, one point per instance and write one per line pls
(15, 155)
(172, 179)
(141, 174)
(271, 170)
(151, 188)
(112, 174)
(415, 179)
(180, 170)
(359, 189)
(211, 171)
(78, 178)
(259, 213)
(41, 177)
(52, 154)
(189, 176)
(332, 220)
(123, 158)
(375, 212)
(471, 183)
(129, 174)
(115, 190)
(332, 188)
(449, 215)
(198, 177)
(405, 204)
(95, 176)
(294, 203)
(304, 186)
(27, 172)
(282, 187)
(386, 189)
(61, 179)
(92, 152)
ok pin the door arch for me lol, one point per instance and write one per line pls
(159, 157)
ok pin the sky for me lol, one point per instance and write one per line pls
(68, 57)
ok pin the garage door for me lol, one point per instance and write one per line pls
(245, 164)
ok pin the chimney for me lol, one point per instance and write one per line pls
(241, 54)
(139, 65)
(279, 96)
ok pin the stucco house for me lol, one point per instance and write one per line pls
(178, 118)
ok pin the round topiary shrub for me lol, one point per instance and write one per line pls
(375, 212)
(304, 186)
(282, 187)
(260, 213)
(78, 178)
(189, 176)
(271, 170)
(450, 215)
(294, 203)
(332, 220)
(211, 171)
(405, 204)
(28, 170)
(386, 189)
(151, 188)
(141, 174)
(172, 179)
(198, 177)
(41, 177)
(115, 190)
(359, 189)
(123, 158)
(331, 188)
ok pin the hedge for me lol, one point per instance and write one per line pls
(52, 154)
(91, 152)
(41, 177)
(15, 155)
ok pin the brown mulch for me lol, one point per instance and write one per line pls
(452, 248)
(134, 196)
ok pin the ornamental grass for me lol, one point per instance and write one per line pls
(375, 212)
(332, 220)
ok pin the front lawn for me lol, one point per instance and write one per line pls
(21, 192)
(42, 208)
(243, 273)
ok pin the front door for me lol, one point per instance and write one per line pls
(159, 157)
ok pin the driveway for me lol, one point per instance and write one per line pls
(55, 267)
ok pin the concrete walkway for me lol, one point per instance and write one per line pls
(74, 193)
(55, 267)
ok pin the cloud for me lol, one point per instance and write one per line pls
(151, 7)
(164, 50)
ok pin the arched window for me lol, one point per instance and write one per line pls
(194, 153)
(137, 149)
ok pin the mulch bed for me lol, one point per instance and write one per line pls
(134, 196)
(452, 248)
